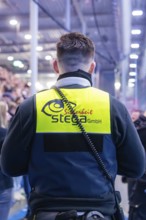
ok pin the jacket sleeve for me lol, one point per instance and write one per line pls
(17, 144)
(2, 136)
(130, 151)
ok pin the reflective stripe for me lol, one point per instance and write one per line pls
(53, 115)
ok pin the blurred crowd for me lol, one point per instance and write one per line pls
(13, 89)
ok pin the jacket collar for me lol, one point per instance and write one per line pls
(79, 77)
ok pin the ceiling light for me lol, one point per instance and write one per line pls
(18, 63)
(133, 65)
(136, 31)
(10, 58)
(29, 71)
(130, 85)
(137, 12)
(48, 57)
(133, 56)
(27, 36)
(13, 22)
(39, 48)
(132, 73)
(117, 85)
(131, 80)
(134, 45)
(21, 65)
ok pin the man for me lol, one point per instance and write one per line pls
(45, 141)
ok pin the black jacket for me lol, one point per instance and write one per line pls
(140, 125)
(17, 146)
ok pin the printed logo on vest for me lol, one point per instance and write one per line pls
(60, 113)
(54, 106)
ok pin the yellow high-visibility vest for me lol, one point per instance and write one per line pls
(91, 105)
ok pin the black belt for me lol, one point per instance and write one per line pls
(71, 215)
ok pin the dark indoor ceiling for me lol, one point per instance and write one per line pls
(107, 22)
(97, 19)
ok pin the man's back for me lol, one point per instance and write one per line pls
(62, 158)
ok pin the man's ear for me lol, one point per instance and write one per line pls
(92, 67)
(55, 66)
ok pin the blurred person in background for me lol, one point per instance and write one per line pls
(135, 114)
(6, 183)
(27, 190)
(12, 87)
(13, 91)
(45, 142)
(137, 187)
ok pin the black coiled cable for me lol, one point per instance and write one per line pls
(85, 134)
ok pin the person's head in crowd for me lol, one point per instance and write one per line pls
(4, 72)
(135, 114)
(3, 114)
(11, 83)
(15, 92)
(19, 100)
(7, 97)
(5, 79)
(26, 91)
(2, 79)
(74, 51)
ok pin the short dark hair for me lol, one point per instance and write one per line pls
(75, 43)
